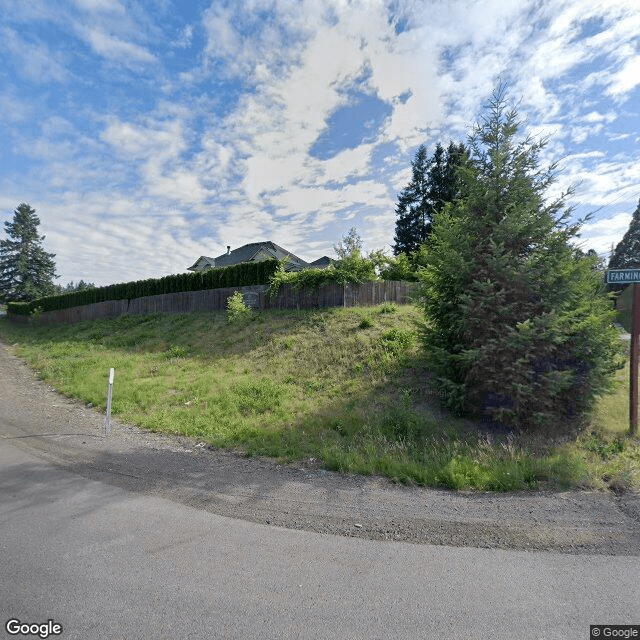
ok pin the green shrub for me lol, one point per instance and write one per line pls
(397, 340)
(388, 307)
(237, 310)
(176, 351)
(399, 267)
(351, 269)
(19, 308)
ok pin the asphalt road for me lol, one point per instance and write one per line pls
(106, 563)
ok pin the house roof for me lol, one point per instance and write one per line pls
(247, 253)
(256, 251)
(206, 262)
(321, 263)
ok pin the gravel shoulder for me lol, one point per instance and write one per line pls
(63, 432)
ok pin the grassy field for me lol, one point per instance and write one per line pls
(345, 387)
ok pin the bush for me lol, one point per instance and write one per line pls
(388, 307)
(397, 340)
(351, 269)
(237, 310)
(19, 308)
(396, 268)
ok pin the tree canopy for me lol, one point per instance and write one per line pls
(627, 252)
(27, 271)
(434, 182)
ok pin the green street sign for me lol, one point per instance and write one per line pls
(623, 276)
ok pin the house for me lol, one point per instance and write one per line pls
(257, 251)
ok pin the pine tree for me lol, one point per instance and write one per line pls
(27, 271)
(434, 182)
(518, 322)
(627, 253)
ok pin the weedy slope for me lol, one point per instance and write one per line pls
(345, 387)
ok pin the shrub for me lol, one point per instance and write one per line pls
(19, 308)
(388, 307)
(397, 340)
(351, 269)
(237, 310)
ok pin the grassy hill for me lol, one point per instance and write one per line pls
(345, 387)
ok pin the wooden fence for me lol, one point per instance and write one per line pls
(334, 295)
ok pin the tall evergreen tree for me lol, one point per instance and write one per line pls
(519, 324)
(413, 211)
(27, 271)
(627, 252)
(444, 183)
(434, 182)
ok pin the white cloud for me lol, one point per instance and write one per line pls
(157, 148)
(200, 172)
(186, 37)
(157, 139)
(118, 50)
(627, 78)
(111, 6)
(605, 234)
(34, 58)
(222, 39)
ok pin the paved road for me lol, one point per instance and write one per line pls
(106, 563)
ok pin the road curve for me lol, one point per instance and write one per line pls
(65, 433)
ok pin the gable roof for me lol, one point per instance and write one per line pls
(322, 263)
(203, 262)
(256, 251)
(251, 252)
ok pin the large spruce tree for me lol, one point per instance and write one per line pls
(27, 271)
(518, 322)
(627, 252)
(434, 182)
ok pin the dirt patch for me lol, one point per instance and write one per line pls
(68, 434)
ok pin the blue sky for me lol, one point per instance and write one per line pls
(148, 133)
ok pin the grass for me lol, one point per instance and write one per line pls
(346, 387)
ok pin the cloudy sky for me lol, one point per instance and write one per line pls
(149, 132)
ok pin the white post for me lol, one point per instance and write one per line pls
(107, 420)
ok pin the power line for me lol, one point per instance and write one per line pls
(612, 202)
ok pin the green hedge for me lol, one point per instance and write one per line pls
(241, 275)
(19, 308)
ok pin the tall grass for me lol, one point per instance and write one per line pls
(347, 387)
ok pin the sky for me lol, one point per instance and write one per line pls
(147, 133)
